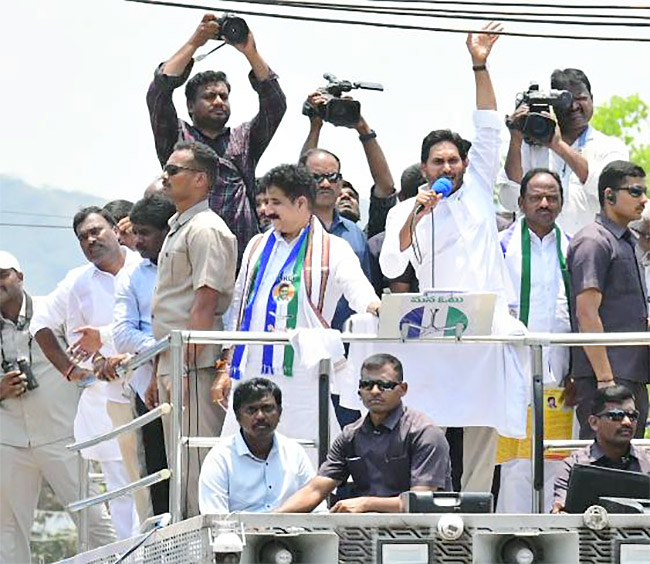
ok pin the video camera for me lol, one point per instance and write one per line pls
(337, 110)
(22, 365)
(537, 128)
(232, 28)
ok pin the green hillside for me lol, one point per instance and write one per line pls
(45, 253)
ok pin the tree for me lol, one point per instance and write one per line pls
(627, 118)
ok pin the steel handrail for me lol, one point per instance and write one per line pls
(101, 498)
(177, 339)
(562, 444)
(162, 409)
(148, 354)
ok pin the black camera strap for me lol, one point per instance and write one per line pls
(21, 325)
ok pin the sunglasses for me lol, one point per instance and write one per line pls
(330, 177)
(634, 191)
(619, 414)
(173, 170)
(383, 385)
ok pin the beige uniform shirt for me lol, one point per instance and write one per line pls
(43, 415)
(199, 250)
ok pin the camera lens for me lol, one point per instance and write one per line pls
(234, 29)
(539, 128)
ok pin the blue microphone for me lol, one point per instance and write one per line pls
(442, 185)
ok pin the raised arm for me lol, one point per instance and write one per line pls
(207, 29)
(479, 46)
(381, 175)
(315, 123)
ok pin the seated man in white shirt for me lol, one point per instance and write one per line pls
(255, 469)
(576, 151)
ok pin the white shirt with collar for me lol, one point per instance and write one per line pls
(549, 310)
(580, 200)
(467, 255)
(86, 297)
(233, 479)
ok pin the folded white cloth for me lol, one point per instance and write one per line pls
(311, 345)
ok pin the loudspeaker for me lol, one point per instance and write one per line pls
(279, 547)
(530, 547)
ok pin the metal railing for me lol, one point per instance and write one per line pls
(178, 339)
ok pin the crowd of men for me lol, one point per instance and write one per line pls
(211, 246)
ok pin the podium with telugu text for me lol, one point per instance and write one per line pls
(436, 313)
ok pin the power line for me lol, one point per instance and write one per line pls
(459, 14)
(394, 25)
(525, 5)
(486, 13)
(35, 214)
(34, 225)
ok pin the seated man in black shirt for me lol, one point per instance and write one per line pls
(614, 419)
(392, 450)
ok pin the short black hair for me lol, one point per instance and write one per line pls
(440, 135)
(564, 79)
(612, 394)
(410, 181)
(534, 172)
(379, 360)
(254, 389)
(318, 151)
(202, 78)
(83, 213)
(348, 185)
(204, 157)
(613, 174)
(154, 210)
(119, 209)
(293, 180)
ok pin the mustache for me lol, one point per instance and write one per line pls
(272, 216)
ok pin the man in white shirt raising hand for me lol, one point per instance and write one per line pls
(463, 254)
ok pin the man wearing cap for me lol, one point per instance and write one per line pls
(36, 420)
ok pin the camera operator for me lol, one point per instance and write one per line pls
(576, 151)
(382, 195)
(37, 409)
(208, 103)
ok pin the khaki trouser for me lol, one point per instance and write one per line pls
(130, 447)
(479, 458)
(201, 418)
(21, 474)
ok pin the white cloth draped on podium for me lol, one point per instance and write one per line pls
(456, 385)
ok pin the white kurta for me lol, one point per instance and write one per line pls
(549, 310)
(300, 391)
(548, 313)
(465, 385)
(86, 297)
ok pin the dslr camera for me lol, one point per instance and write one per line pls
(21, 364)
(537, 128)
(337, 110)
(232, 28)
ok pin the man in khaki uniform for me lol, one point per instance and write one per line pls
(196, 277)
(35, 426)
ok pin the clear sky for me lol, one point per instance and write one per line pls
(75, 74)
